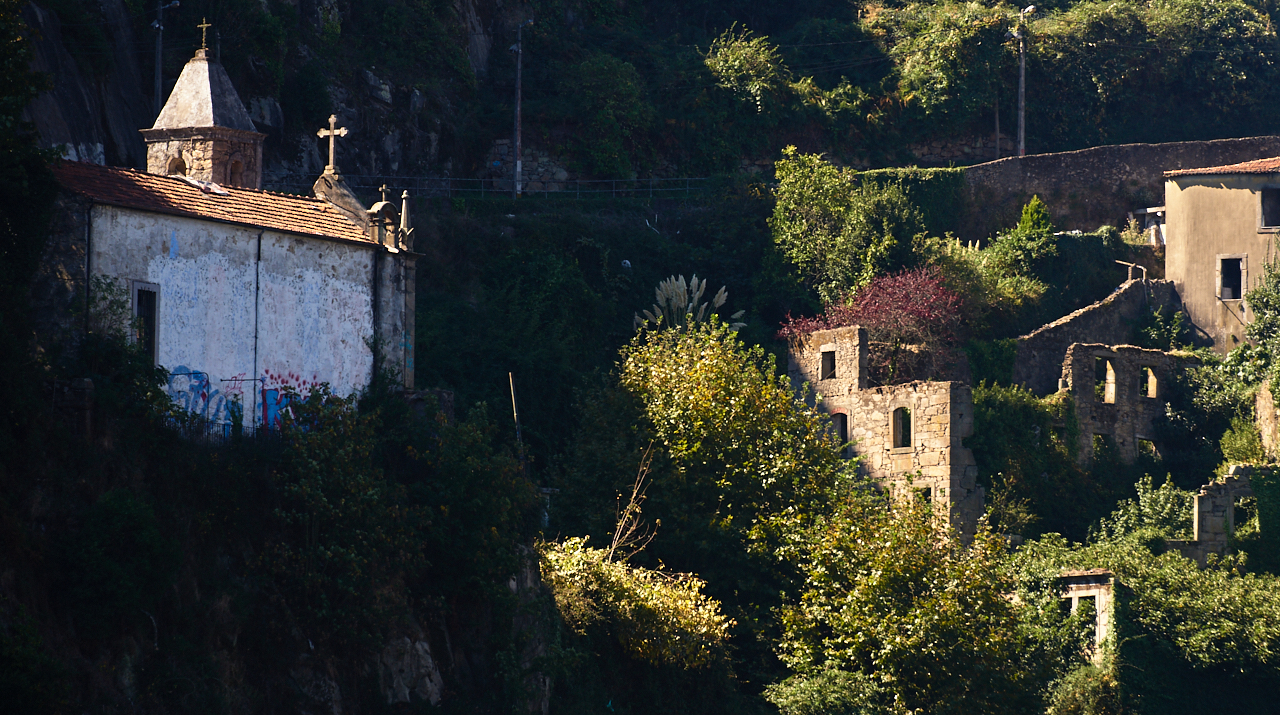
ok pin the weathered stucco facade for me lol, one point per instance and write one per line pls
(909, 436)
(236, 311)
(1119, 393)
(1218, 239)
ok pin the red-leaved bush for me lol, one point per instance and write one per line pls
(912, 322)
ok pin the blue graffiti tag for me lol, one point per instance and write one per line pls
(191, 390)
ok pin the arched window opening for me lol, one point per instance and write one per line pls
(177, 166)
(235, 174)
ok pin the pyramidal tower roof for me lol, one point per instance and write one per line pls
(204, 97)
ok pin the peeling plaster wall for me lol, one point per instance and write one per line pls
(308, 301)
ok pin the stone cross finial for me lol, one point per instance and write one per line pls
(383, 190)
(204, 33)
(331, 132)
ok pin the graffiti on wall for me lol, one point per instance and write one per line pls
(275, 393)
(195, 392)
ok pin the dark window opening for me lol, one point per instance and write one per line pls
(926, 495)
(1149, 385)
(841, 424)
(177, 166)
(828, 365)
(1271, 208)
(1231, 279)
(145, 311)
(235, 174)
(902, 427)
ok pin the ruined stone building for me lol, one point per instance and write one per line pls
(912, 432)
(238, 293)
(1221, 225)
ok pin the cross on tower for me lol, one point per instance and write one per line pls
(331, 132)
(204, 33)
(383, 190)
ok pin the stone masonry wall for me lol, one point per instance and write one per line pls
(1129, 405)
(1214, 515)
(1088, 188)
(941, 417)
(1040, 353)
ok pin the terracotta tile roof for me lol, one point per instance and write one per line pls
(1258, 166)
(132, 189)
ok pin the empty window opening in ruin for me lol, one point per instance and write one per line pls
(235, 174)
(1230, 273)
(828, 369)
(1147, 449)
(1104, 380)
(1086, 609)
(926, 495)
(177, 166)
(1271, 208)
(840, 422)
(1150, 385)
(146, 305)
(1103, 446)
(901, 427)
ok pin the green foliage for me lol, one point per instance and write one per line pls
(658, 617)
(1160, 331)
(947, 57)
(1166, 510)
(1203, 403)
(1025, 450)
(732, 427)
(615, 115)
(941, 194)
(1210, 618)
(349, 539)
(1035, 219)
(1242, 444)
(888, 593)
(992, 361)
(118, 563)
(830, 692)
(840, 235)
(749, 67)
(1088, 690)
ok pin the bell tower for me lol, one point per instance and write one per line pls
(204, 131)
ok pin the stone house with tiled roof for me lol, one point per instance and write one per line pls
(1220, 230)
(239, 293)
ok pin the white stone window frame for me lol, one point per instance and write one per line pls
(1262, 227)
(134, 287)
(1144, 382)
(911, 438)
(1217, 275)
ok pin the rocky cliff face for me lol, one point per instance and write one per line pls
(396, 122)
(96, 117)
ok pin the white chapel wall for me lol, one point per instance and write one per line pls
(313, 301)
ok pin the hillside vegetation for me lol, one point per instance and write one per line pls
(676, 532)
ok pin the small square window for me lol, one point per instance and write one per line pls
(828, 369)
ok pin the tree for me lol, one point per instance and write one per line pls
(890, 594)
(838, 233)
(912, 321)
(749, 67)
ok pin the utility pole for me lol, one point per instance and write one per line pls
(159, 26)
(1022, 79)
(518, 48)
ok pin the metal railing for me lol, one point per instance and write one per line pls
(498, 188)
